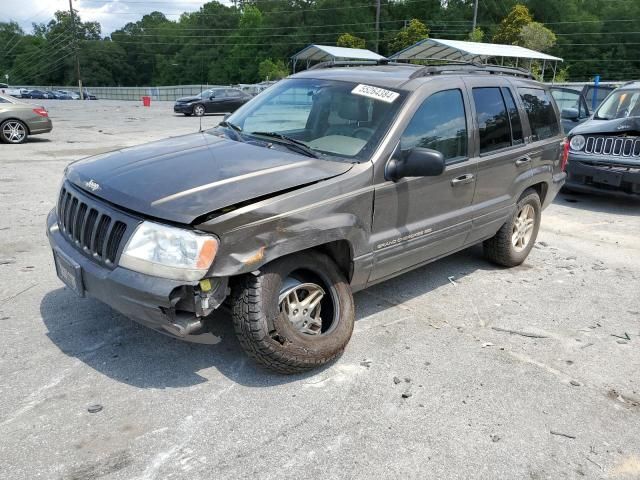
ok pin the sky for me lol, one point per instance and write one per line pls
(112, 14)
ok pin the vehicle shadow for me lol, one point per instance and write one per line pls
(600, 202)
(127, 352)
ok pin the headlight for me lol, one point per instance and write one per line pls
(577, 143)
(169, 252)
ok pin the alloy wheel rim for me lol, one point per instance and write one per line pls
(14, 132)
(199, 110)
(523, 228)
(300, 303)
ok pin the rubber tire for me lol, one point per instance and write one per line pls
(203, 110)
(4, 140)
(499, 248)
(269, 338)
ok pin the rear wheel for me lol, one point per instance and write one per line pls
(13, 131)
(295, 314)
(198, 110)
(513, 242)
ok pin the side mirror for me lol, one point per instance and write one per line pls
(570, 114)
(417, 162)
(211, 97)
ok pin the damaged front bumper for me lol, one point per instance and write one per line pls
(603, 175)
(172, 307)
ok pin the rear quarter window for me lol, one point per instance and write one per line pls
(542, 116)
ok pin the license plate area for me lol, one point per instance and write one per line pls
(69, 272)
(608, 178)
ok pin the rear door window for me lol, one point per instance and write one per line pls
(542, 116)
(493, 119)
(439, 124)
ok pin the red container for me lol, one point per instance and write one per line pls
(146, 101)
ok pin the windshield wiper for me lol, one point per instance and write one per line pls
(292, 142)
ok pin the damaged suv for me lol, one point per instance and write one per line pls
(604, 153)
(328, 182)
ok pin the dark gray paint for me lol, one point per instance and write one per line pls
(383, 228)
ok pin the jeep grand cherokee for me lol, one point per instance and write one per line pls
(328, 182)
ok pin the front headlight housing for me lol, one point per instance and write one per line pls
(169, 252)
(577, 143)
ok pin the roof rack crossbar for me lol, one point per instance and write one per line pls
(351, 63)
(471, 67)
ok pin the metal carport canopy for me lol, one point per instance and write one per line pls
(326, 53)
(457, 50)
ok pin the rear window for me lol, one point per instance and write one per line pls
(542, 116)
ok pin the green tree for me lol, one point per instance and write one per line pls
(409, 35)
(537, 37)
(476, 35)
(350, 41)
(270, 70)
(509, 29)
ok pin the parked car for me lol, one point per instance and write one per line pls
(41, 94)
(604, 153)
(70, 94)
(328, 182)
(18, 120)
(56, 95)
(573, 106)
(215, 100)
(4, 88)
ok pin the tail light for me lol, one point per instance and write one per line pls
(565, 154)
(41, 111)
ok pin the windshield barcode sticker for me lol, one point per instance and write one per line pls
(376, 93)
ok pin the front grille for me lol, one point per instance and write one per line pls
(90, 226)
(613, 146)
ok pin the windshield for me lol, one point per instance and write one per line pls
(620, 104)
(333, 118)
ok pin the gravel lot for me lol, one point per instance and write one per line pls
(560, 401)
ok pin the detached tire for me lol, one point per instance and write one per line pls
(296, 314)
(513, 242)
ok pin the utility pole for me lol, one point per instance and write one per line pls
(377, 25)
(75, 48)
(475, 14)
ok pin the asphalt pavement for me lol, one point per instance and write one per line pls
(456, 370)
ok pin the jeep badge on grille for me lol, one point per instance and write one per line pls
(92, 185)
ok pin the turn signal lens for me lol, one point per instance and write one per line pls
(207, 253)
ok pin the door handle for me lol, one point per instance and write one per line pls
(462, 180)
(523, 161)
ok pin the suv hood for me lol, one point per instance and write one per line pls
(615, 126)
(183, 178)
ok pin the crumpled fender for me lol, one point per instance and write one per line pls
(337, 209)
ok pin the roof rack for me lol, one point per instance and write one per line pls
(353, 63)
(471, 67)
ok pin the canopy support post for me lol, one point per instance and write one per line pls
(555, 65)
(544, 64)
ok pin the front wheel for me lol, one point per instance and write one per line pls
(295, 314)
(13, 131)
(198, 110)
(513, 242)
